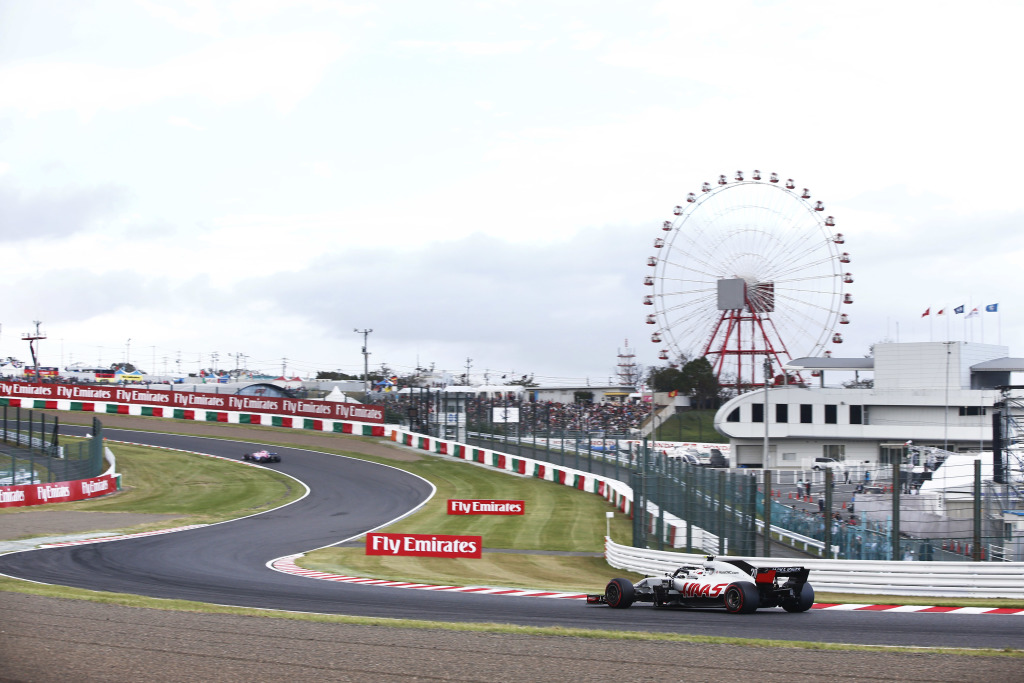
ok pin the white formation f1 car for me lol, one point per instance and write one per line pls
(736, 585)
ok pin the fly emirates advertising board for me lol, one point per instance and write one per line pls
(438, 545)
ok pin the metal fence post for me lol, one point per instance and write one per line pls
(827, 511)
(721, 512)
(767, 513)
(896, 509)
(976, 550)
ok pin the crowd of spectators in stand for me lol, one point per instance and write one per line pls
(542, 416)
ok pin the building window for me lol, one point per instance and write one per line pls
(757, 412)
(782, 412)
(806, 413)
(891, 453)
(789, 457)
(856, 415)
(972, 410)
(836, 451)
(831, 414)
(734, 416)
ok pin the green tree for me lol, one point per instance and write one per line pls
(699, 382)
(666, 379)
(334, 376)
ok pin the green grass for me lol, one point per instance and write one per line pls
(202, 490)
(690, 425)
(557, 517)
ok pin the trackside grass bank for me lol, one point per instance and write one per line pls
(194, 489)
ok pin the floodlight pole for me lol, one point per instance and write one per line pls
(366, 361)
(32, 338)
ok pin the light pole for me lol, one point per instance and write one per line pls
(767, 376)
(366, 361)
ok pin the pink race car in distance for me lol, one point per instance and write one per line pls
(261, 457)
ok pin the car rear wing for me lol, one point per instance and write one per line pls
(769, 574)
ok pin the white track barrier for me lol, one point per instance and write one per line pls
(937, 579)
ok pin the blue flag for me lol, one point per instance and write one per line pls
(958, 310)
(992, 308)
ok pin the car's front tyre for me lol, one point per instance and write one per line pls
(619, 593)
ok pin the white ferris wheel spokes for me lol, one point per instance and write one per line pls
(748, 269)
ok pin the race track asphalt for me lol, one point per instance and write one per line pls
(226, 564)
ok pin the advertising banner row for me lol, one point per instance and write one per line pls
(58, 492)
(190, 400)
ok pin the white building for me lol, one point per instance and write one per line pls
(934, 394)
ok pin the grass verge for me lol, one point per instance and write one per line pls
(203, 490)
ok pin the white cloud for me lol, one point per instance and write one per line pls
(467, 47)
(182, 122)
(194, 16)
(282, 69)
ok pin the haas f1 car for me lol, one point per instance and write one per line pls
(261, 457)
(736, 585)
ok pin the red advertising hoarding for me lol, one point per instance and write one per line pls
(424, 545)
(57, 492)
(486, 507)
(328, 410)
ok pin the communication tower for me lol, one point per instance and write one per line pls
(628, 370)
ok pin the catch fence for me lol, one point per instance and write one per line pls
(31, 450)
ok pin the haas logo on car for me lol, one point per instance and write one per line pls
(697, 590)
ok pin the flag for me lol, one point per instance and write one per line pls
(973, 313)
(958, 310)
(941, 311)
(992, 308)
(926, 311)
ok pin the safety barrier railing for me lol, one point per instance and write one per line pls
(937, 579)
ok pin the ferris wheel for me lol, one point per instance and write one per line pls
(750, 270)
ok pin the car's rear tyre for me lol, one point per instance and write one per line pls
(619, 593)
(804, 602)
(741, 598)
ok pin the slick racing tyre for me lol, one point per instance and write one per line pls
(803, 603)
(619, 593)
(741, 598)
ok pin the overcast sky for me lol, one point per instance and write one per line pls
(481, 180)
